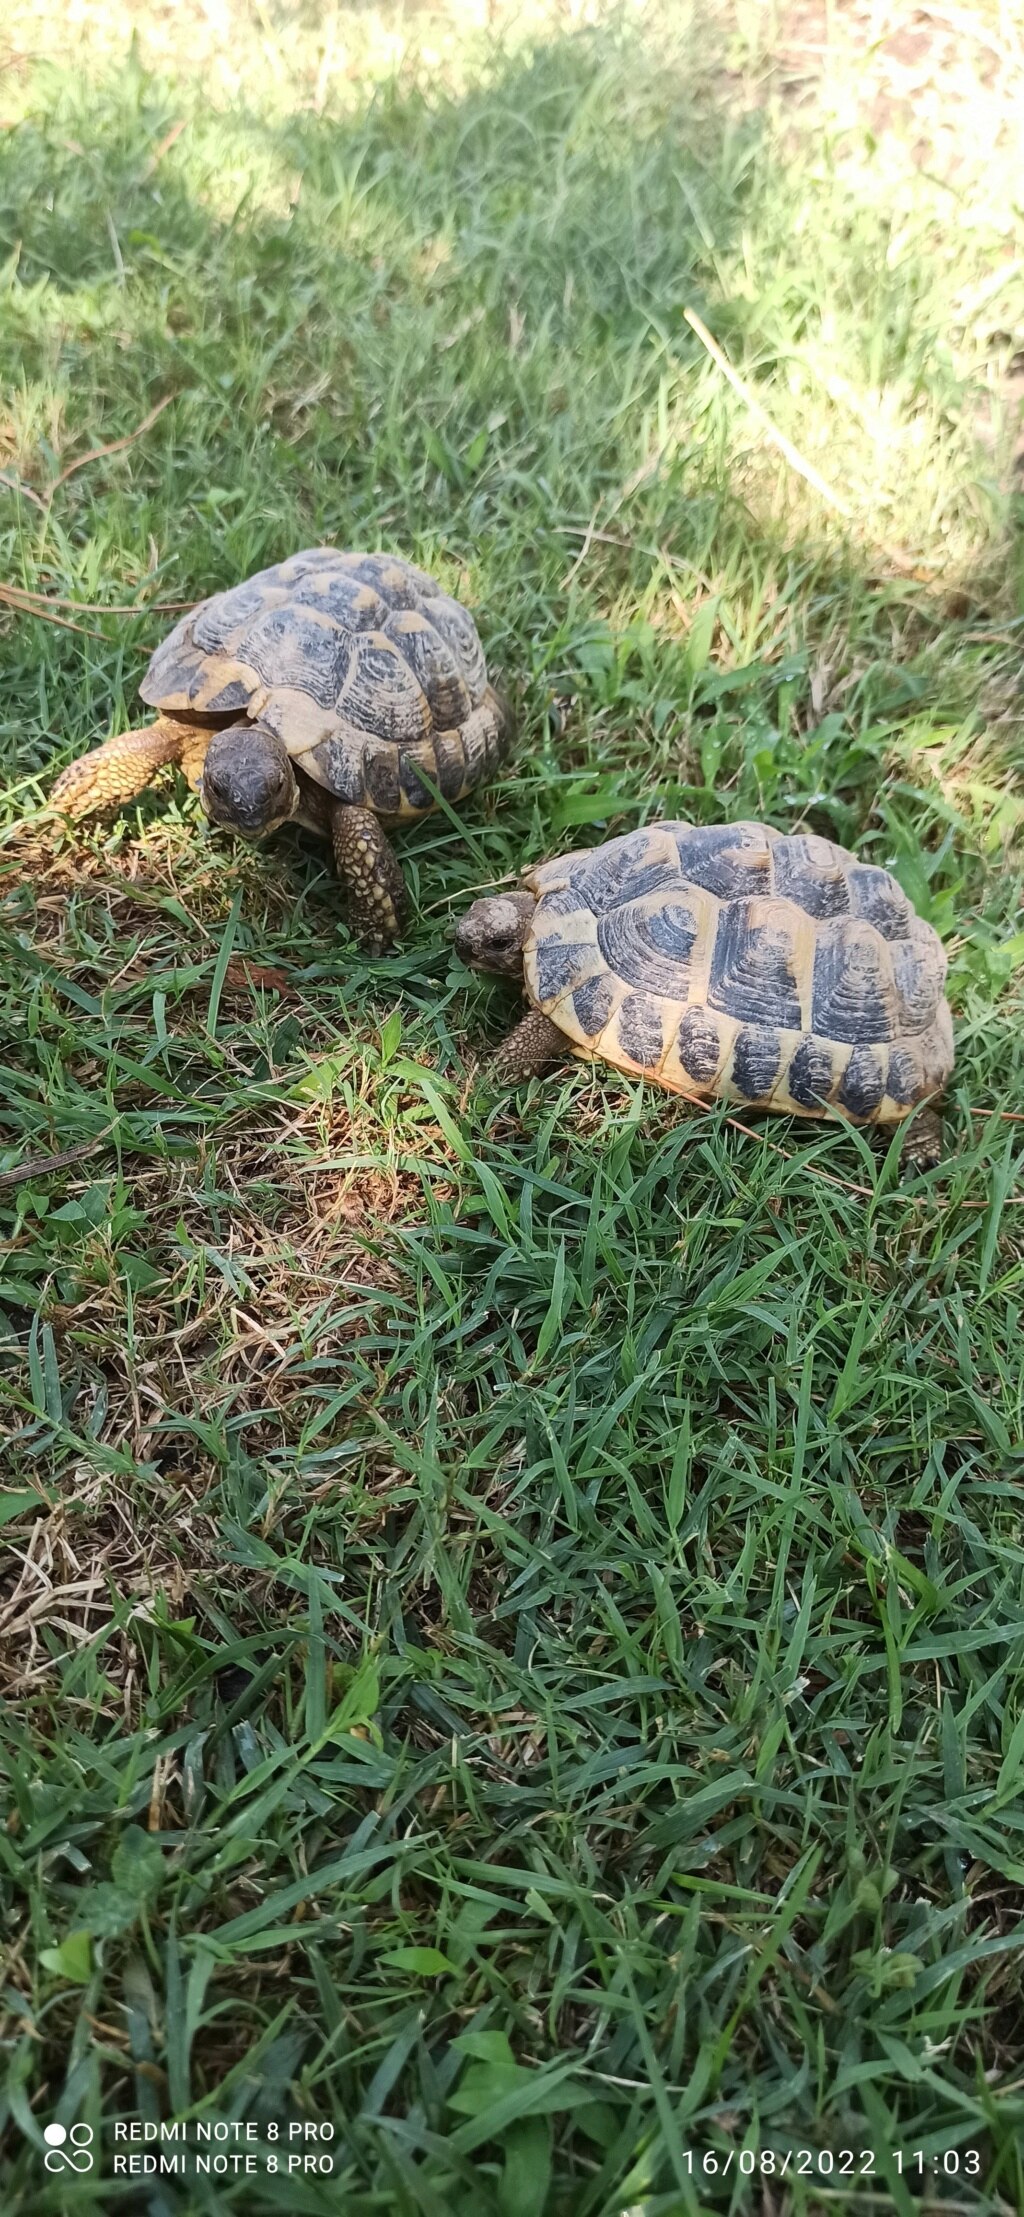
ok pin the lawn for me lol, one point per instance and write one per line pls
(513, 1605)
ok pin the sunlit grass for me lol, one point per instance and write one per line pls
(566, 1535)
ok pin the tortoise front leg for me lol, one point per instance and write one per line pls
(372, 880)
(534, 1046)
(116, 772)
(195, 746)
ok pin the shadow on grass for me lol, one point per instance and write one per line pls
(457, 326)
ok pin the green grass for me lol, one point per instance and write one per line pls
(513, 1608)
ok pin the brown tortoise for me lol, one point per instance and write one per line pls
(727, 962)
(331, 690)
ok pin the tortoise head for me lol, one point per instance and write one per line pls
(492, 934)
(248, 781)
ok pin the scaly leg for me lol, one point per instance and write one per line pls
(923, 1147)
(195, 745)
(370, 875)
(116, 772)
(531, 1049)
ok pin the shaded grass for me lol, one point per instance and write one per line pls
(513, 1608)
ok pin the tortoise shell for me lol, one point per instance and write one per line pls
(364, 669)
(734, 962)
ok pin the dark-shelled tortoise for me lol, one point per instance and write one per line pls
(323, 691)
(727, 962)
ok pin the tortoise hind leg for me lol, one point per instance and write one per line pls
(923, 1147)
(533, 1047)
(110, 775)
(370, 875)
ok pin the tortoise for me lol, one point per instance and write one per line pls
(331, 690)
(727, 962)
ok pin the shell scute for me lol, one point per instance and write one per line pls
(879, 900)
(382, 784)
(811, 1074)
(561, 964)
(906, 1082)
(236, 694)
(700, 1045)
(340, 758)
(863, 1082)
(483, 738)
(399, 584)
(732, 861)
(568, 901)
(455, 626)
(347, 599)
(754, 967)
(853, 996)
(434, 666)
(641, 1030)
(294, 647)
(919, 974)
(450, 751)
(625, 870)
(222, 623)
(756, 1059)
(810, 871)
(649, 944)
(381, 694)
(592, 1004)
